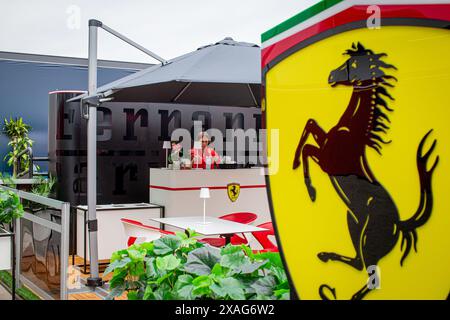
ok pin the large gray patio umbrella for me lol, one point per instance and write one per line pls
(226, 73)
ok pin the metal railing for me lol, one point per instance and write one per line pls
(39, 159)
(29, 173)
(63, 228)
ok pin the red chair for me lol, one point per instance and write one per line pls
(263, 238)
(240, 217)
(136, 229)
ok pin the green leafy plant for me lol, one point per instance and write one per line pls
(7, 180)
(43, 186)
(180, 267)
(10, 206)
(17, 132)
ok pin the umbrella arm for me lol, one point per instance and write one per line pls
(99, 24)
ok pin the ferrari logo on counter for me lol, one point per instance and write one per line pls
(233, 190)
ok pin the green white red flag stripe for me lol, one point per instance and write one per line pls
(337, 12)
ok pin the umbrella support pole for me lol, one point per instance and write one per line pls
(94, 279)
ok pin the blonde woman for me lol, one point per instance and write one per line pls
(205, 156)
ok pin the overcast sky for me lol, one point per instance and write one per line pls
(167, 27)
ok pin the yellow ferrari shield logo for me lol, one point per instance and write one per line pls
(233, 190)
(360, 197)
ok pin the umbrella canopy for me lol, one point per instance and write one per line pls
(225, 73)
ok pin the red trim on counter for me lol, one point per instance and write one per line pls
(198, 188)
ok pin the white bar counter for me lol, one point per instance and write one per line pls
(179, 192)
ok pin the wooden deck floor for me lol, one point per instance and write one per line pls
(89, 295)
(92, 296)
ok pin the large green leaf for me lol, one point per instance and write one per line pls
(279, 274)
(230, 249)
(150, 269)
(136, 254)
(181, 235)
(185, 239)
(136, 268)
(10, 206)
(273, 257)
(188, 242)
(202, 285)
(148, 293)
(164, 277)
(148, 246)
(167, 263)
(219, 291)
(234, 260)
(200, 261)
(283, 285)
(238, 262)
(264, 285)
(248, 251)
(282, 294)
(228, 287)
(166, 244)
(247, 284)
(116, 264)
(202, 281)
(192, 233)
(133, 295)
(164, 292)
(217, 270)
(184, 287)
(250, 267)
(118, 279)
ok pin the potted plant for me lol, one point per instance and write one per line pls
(179, 267)
(17, 132)
(175, 155)
(10, 209)
(43, 186)
(7, 180)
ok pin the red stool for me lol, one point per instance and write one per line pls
(263, 237)
(240, 217)
(136, 229)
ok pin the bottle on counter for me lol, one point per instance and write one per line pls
(208, 161)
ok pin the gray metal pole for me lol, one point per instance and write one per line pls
(94, 280)
(65, 229)
(18, 240)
